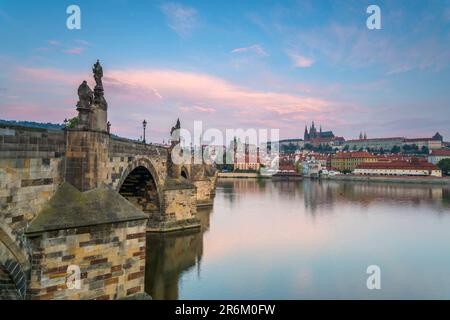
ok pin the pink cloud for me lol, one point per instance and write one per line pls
(39, 75)
(35, 112)
(256, 49)
(196, 88)
(197, 109)
(160, 94)
(300, 61)
(77, 51)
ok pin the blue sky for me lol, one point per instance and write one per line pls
(233, 64)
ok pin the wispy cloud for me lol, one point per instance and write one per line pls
(76, 47)
(48, 75)
(189, 89)
(82, 42)
(180, 18)
(74, 51)
(355, 47)
(255, 49)
(166, 92)
(197, 109)
(300, 61)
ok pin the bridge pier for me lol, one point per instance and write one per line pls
(178, 210)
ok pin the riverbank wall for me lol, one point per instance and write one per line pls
(358, 178)
(386, 179)
(244, 175)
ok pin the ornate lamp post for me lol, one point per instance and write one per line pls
(144, 125)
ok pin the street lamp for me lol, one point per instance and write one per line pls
(144, 125)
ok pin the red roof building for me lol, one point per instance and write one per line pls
(414, 167)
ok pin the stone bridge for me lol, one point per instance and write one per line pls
(58, 204)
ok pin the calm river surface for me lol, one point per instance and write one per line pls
(307, 239)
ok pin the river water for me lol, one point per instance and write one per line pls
(308, 239)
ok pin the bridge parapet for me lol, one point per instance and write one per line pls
(126, 155)
(31, 168)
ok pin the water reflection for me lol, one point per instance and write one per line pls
(171, 254)
(308, 239)
(316, 194)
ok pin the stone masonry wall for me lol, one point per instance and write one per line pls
(204, 178)
(111, 259)
(178, 211)
(31, 168)
(87, 154)
(180, 204)
(125, 155)
(205, 190)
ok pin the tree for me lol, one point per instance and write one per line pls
(72, 123)
(444, 165)
(290, 148)
(395, 149)
(299, 167)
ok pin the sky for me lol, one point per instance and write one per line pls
(233, 64)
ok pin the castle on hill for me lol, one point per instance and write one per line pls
(314, 134)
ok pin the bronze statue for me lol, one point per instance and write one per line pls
(98, 74)
(85, 96)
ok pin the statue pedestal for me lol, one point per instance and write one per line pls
(98, 119)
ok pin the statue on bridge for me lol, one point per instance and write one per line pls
(92, 106)
(99, 98)
(85, 96)
(85, 100)
(98, 74)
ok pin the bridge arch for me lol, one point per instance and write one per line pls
(14, 268)
(141, 186)
(184, 173)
